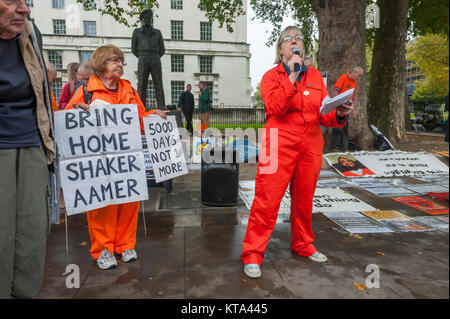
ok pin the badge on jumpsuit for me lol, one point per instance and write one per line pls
(306, 93)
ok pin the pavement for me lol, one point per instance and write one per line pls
(189, 250)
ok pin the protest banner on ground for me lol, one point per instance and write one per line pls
(422, 204)
(337, 200)
(101, 160)
(387, 164)
(383, 187)
(165, 147)
(397, 221)
(356, 223)
(438, 222)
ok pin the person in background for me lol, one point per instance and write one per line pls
(111, 228)
(27, 153)
(309, 62)
(204, 103)
(186, 104)
(292, 100)
(83, 73)
(51, 74)
(347, 81)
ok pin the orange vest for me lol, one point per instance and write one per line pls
(125, 95)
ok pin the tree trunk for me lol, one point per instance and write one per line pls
(342, 41)
(387, 87)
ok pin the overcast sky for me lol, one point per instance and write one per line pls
(262, 56)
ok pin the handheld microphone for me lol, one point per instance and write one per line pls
(296, 50)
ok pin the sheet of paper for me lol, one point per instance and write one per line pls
(356, 223)
(329, 104)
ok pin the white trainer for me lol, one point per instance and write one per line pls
(129, 255)
(252, 270)
(106, 260)
(318, 257)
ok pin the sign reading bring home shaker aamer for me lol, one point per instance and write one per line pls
(101, 157)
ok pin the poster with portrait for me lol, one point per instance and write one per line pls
(347, 165)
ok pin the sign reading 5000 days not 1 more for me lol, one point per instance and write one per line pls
(165, 147)
(101, 157)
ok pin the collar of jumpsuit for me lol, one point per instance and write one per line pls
(303, 69)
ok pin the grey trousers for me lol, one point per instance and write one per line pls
(24, 221)
(339, 138)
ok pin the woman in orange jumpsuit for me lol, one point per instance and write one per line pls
(292, 101)
(112, 228)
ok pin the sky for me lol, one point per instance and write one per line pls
(262, 58)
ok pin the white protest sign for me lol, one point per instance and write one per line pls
(101, 157)
(165, 147)
(398, 163)
(337, 200)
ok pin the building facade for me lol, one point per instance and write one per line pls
(196, 50)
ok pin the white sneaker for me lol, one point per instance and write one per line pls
(129, 255)
(106, 260)
(252, 270)
(318, 257)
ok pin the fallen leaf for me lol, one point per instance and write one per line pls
(381, 253)
(245, 189)
(62, 221)
(244, 280)
(170, 236)
(83, 243)
(160, 292)
(359, 287)
(119, 261)
(150, 278)
(355, 236)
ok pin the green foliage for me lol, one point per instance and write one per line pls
(223, 11)
(430, 16)
(275, 11)
(430, 53)
(258, 102)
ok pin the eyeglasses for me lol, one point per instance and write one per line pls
(289, 38)
(117, 60)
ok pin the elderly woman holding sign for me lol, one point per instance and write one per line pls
(292, 95)
(112, 228)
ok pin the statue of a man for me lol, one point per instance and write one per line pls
(148, 46)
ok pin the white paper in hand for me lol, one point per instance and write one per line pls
(329, 104)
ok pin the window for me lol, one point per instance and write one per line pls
(56, 88)
(176, 30)
(205, 31)
(30, 3)
(55, 57)
(176, 4)
(85, 56)
(58, 4)
(205, 64)
(90, 27)
(151, 96)
(177, 89)
(177, 63)
(59, 26)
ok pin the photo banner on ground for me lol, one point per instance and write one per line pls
(386, 164)
(422, 204)
(397, 221)
(356, 223)
(165, 147)
(101, 159)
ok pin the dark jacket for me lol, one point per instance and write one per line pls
(186, 101)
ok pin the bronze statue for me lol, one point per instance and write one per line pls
(148, 46)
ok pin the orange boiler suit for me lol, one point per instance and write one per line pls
(112, 227)
(294, 111)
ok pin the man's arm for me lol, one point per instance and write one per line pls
(162, 49)
(134, 43)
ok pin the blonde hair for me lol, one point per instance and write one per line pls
(101, 56)
(278, 55)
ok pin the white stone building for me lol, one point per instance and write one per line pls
(195, 49)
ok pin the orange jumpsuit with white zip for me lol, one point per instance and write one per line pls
(112, 227)
(294, 111)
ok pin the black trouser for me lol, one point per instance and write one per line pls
(339, 138)
(151, 64)
(188, 112)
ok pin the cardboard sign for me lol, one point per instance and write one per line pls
(397, 221)
(337, 200)
(165, 147)
(101, 157)
(356, 223)
(423, 205)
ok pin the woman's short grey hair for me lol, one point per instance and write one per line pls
(278, 55)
